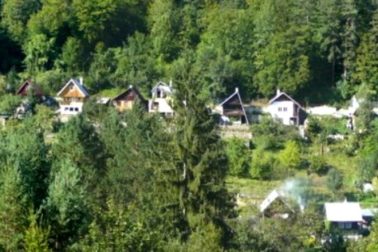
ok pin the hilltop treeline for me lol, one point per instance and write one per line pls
(318, 50)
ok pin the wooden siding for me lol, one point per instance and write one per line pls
(72, 91)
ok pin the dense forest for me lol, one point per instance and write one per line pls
(132, 181)
(307, 48)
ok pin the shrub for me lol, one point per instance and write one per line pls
(263, 164)
(238, 157)
(271, 135)
(318, 165)
(334, 179)
(290, 157)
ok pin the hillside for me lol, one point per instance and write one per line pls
(114, 136)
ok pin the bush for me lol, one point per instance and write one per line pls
(9, 104)
(290, 157)
(318, 165)
(271, 135)
(334, 179)
(238, 157)
(262, 166)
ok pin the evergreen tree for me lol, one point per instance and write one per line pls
(13, 208)
(79, 142)
(201, 159)
(367, 57)
(66, 208)
(36, 238)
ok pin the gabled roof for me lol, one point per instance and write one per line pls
(237, 95)
(25, 86)
(273, 196)
(163, 86)
(78, 84)
(124, 93)
(280, 94)
(343, 212)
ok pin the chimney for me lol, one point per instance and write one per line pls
(278, 91)
(130, 86)
(236, 90)
(170, 83)
(81, 80)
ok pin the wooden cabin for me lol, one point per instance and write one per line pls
(232, 109)
(28, 88)
(127, 99)
(71, 97)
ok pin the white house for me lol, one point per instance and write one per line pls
(344, 215)
(285, 109)
(71, 98)
(161, 99)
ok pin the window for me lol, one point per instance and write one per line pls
(285, 109)
(71, 109)
(77, 109)
(345, 225)
(279, 109)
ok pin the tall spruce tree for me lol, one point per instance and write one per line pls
(367, 57)
(201, 160)
(13, 209)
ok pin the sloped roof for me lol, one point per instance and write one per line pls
(280, 94)
(237, 94)
(77, 83)
(273, 196)
(131, 88)
(29, 83)
(162, 86)
(343, 212)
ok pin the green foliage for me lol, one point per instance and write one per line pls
(13, 209)
(290, 156)
(200, 158)
(271, 135)
(15, 15)
(262, 165)
(9, 104)
(334, 180)
(36, 238)
(318, 165)
(238, 157)
(66, 206)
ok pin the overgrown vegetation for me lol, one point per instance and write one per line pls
(109, 181)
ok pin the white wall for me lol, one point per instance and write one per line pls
(73, 108)
(282, 110)
(162, 107)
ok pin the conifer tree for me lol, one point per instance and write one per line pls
(201, 160)
(367, 57)
(66, 207)
(13, 205)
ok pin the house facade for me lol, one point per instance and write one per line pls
(127, 99)
(285, 109)
(161, 99)
(232, 110)
(344, 215)
(71, 98)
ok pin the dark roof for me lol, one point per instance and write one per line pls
(29, 83)
(126, 93)
(238, 98)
